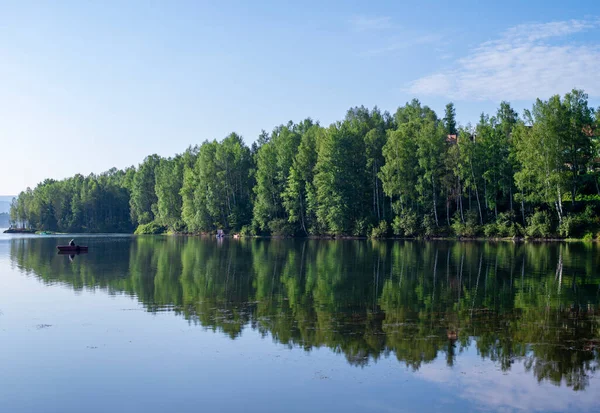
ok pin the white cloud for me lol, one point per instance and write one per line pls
(487, 388)
(521, 65)
(364, 23)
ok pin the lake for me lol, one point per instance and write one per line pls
(186, 324)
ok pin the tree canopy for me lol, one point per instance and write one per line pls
(372, 173)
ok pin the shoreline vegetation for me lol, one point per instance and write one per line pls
(411, 174)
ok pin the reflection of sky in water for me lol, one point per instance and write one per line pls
(486, 386)
(73, 351)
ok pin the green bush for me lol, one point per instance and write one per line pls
(151, 228)
(588, 237)
(429, 227)
(248, 231)
(178, 227)
(281, 228)
(578, 225)
(469, 228)
(491, 230)
(539, 225)
(581, 197)
(506, 225)
(406, 224)
(380, 231)
(362, 227)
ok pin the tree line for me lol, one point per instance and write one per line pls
(375, 174)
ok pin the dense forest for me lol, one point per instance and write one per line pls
(375, 174)
(518, 304)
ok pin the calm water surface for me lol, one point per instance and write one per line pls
(158, 324)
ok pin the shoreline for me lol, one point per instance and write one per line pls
(317, 237)
(357, 238)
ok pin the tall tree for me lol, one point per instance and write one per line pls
(340, 180)
(143, 193)
(450, 119)
(274, 160)
(299, 196)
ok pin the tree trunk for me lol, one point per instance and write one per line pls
(477, 195)
(448, 209)
(434, 202)
(560, 208)
(485, 197)
(469, 198)
(523, 206)
(302, 221)
(460, 197)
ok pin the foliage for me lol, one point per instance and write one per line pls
(247, 231)
(539, 225)
(406, 224)
(362, 227)
(151, 228)
(380, 231)
(280, 227)
(578, 225)
(414, 171)
(506, 225)
(216, 188)
(469, 228)
(143, 191)
(96, 203)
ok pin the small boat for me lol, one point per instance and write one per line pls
(69, 248)
(72, 253)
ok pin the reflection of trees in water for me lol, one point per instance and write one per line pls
(531, 303)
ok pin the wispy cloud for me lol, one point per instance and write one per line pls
(396, 45)
(364, 23)
(521, 65)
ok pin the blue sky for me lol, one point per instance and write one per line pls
(85, 86)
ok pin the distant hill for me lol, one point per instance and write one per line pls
(5, 202)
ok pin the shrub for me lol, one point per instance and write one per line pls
(151, 228)
(588, 237)
(380, 231)
(248, 231)
(406, 224)
(491, 230)
(469, 228)
(578, 225)
(362, 227)
(281, 228)
(429, 227)
(506, 225)
(178, 227)
(539, 225)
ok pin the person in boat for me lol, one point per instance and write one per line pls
(72, 243)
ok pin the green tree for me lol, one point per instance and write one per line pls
(299, 196)
(143, 193)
